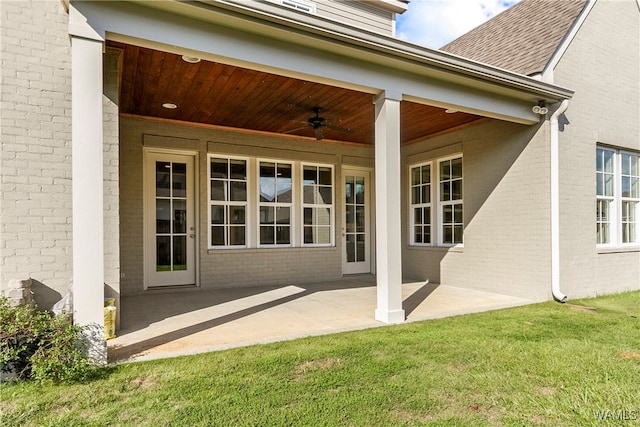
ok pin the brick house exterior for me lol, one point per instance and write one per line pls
(80, 158)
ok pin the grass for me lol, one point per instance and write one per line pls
(544, 364)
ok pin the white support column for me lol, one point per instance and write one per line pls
(388, 215)
(88, 223)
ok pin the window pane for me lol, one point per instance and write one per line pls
(217, 214)
(417, 216)
(426, 215)
(445, 191)
(163, 216)
(308, 216)
(325, 176)
(238, 191)
(308, 234)
(309, 194)
(238, 169)
(359, 190)
(417, 236)
(267, 190)
(283, 215)
(447, 214)
(349, 189)
(180, 252)
(179, 180)
(635, 188)
(625, 160)
(266, 235)
(350, 223)
(457, 234)
(351, 247)
(163, 179)
(219, 168)
(445, 170)
(310, 175)
(608, 161)
(608, 185)
(323, 216)
(163, 253)
(236, 214)
(360, 225)
(456, 168)
(360, 245)
(179, 216)
(426, 194)
(599, 160)
(267, 170)
(236, 236)
(217, 236)
(447, 234)
(325, 194)
(218, 190)
(456, 189)
(323, 236)
(266, 215)
(415, 195)
(626, 186)
(283, 235)
(426, 174)
(416, 176)
(457, 214)
(283, 192)
(600, 184)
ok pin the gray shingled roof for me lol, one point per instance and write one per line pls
(523, 38)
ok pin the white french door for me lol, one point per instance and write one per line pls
(170, 226)
(356, 223)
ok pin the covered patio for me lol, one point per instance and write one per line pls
(168, 324)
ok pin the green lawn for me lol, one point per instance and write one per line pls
(544, 364)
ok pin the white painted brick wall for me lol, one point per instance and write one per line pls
(603, 66)
(35, 130)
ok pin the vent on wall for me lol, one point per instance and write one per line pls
(297, 5)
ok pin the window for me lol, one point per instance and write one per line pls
(450, 189)
(617, 197)
(227, 201)
(441, 222)
(276, 188)
(421, 204)
(297, 5)
(317, 205)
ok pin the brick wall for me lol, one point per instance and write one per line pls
(506, 211)
(602, 65)
(35, 130)
(226, 268)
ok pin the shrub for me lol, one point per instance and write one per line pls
(36, 344)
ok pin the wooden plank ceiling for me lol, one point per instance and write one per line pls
(223, 95)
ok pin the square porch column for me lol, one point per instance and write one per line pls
(388, 215)
(87, 182)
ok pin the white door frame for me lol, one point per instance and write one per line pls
(366, 266)
(152, 279)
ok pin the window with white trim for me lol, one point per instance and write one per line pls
(617, 197)
(227, 202)
(450, 201)
(275, 203)
(317, 205)
(436, 202)
(420, 176)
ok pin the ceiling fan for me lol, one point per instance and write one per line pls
(317, 123)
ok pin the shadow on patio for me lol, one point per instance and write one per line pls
(166, 324)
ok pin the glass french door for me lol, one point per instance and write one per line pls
(169, 220)
(356, 228)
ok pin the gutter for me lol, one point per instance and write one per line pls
(555, 203)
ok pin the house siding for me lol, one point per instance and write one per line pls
(506, 211)
(357, 14)
(35, 130)
(225, 268)
(602, 64)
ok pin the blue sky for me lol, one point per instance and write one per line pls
(434, 23)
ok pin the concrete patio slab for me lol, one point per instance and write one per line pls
(165, 324)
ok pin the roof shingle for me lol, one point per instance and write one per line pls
(521, 39)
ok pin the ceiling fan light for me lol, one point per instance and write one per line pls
(169, 106)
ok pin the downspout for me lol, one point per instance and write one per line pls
(555, 203)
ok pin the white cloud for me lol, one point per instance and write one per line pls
(434, 23)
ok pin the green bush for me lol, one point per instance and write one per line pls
(38, 345)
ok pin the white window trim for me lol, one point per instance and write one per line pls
(246, 204)
(615, 214)
(413, 206)
(291, 206)
(440, 204)
(304, 205)
(436, 204)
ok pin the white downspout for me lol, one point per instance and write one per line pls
(555, 203)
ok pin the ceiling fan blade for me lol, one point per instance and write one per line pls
(339, 129)
(318, 132)
(297, 129)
